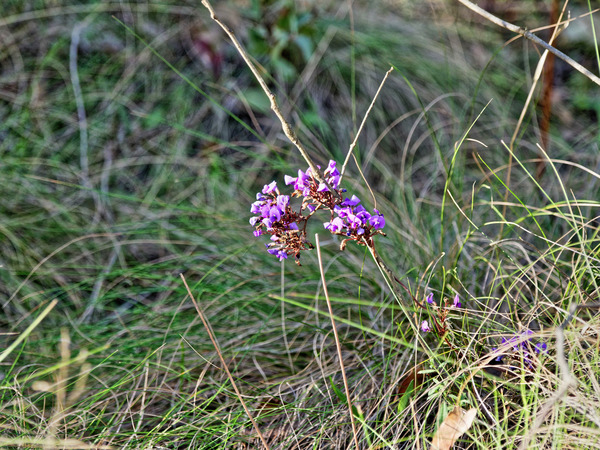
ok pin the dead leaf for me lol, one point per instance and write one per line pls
(415, 376)
(453, 427)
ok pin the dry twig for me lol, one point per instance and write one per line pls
(287, 128)
(532, 37)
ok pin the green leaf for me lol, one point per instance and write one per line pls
(405, 397)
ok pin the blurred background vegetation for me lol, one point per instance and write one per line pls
(127, 160)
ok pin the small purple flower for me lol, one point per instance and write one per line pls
(425, 326)
(334, 181)
(457, 303)
(255, 207)
(430, 299)
(258, 232)
(362, 213)
(498, 358)
(377, 221)
(268, 188)
(351, 201)
(354, 222)
(267, 223)
(275, 214)
(342, 212)
(254, 220)
(322, 187)
(303, 180)
(331, 169)
(335, 226)
(282, 202)
(279, 253)
(265, 210)
(541, 347)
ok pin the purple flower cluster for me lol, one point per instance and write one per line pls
(351, 217)
(304, 182)
(274, 215)
(523, 347)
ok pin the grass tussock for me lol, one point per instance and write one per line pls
(129, 159)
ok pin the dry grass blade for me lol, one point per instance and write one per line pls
(453, 427)
(49, 443)
(214, 342)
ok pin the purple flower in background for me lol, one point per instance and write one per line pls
(523, 347)
(457, 303)
(425, 326)
(429, 299)
(541, 347)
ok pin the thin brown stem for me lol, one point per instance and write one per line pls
(385, 77)
(337, 342)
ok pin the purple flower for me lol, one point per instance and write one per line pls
(377, 221)
(255, 207)
(331, 169)
(354, 222)
(322, 187)
(541, 347)
(498, 358)
(265, 210)
(335, 226)
(342, 212)
(267, 223)
(279, 253)
(429, 299)
(425, 326)
(275, 214)
(334, 181)
(303, 180)
(282, 202)
(268, 188)
(362, 213)
(457, 303)
(351, 201)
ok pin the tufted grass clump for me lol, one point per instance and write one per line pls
(132, 151)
